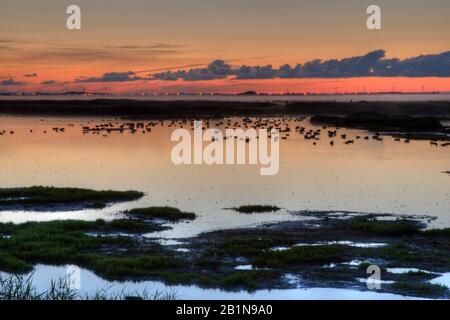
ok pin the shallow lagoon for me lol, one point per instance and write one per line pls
(367, 176)
(87, 283)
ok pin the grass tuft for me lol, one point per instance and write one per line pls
(40, 195)
(298, 255)
(166, 213)
(389, 228)
(256, 209)
(420, 288)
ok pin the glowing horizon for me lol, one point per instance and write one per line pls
(39, 54)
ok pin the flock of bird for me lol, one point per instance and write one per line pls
(283, 125)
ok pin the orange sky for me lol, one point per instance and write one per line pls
(136, 35)
(274, 86)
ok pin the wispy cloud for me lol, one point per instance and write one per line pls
(138, 47)
(11, 82)
(49, 82)
(112, 77)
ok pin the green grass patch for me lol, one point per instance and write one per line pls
(399, 252)
(299, 255)
(388, 228)
(61, 242)
(40, 195)
(127, 225)
(249, 247)
(420, 288)
(9, 263)
(166, 213)
(437, 232)
(256, 209)
(130, 266)
(418, 273)
(98, 205)
(250, 279)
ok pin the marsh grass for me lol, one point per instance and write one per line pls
(166, 213)
(248, 209)
(249, 247)
(238, 279)
(260, 253)
(399, 252)
(62, 242)
(16, 287)
(388, 228)
(40, 195)
(420, 288)
(113, 267)
(298, 255)
(9, 263)
(419, 273)
(98, 205)
(437, 232)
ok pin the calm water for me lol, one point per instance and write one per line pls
(367, 176)
(261, 98)
(87, 284)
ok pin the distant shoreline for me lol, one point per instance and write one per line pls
(160, 109)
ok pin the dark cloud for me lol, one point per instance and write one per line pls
(372, 64)
(137, 47)
(257, 72)
(11, 82)
(49, 82)
(12, 41)
(113, 77)
(218, 69)
(31, 75)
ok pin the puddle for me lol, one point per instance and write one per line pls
(292, 279)
(353, 263)
(405, 270)
(168, 242)
(443, 280)
(343, 243)
(114, 234)
(374, 281)
(279, 248)
(244, 267)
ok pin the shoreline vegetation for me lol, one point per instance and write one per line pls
(217, 109)
(248, 209)
(15, 287)
(41, 198)
(166, 213)
(332, 250)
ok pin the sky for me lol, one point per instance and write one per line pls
(224, 46)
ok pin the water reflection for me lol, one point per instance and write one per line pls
(367, 176)
(89, 284)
